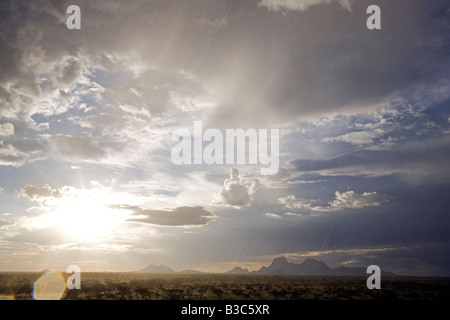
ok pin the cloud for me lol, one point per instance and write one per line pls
(45, 236)
(273, 215)
(291, 202)
(385, 127)
(427, 259)
(235, 192)
(110, 93)
(44, 193)
(358, 137)
(415, 160)
(6, 129)
(340, 69)
(333, 65)
(21, 151)
(342, 201)
(8, 154)
(77, 147)
(293, 214)
(48, 72)
(181, 216)
(43, 126)
(353, 200)
(4, 222)
(301, 5)
(69, 71)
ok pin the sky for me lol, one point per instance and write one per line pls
(87, 118)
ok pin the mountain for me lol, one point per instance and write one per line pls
(156, 269)
(190, 271)
(238, 270)
(280, 265)
(163, 269)
(310, 267)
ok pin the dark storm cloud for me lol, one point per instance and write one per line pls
(252, 59)
(415, 219)
(335, 63)
(422, 159)
(244, 59)
(181, 216)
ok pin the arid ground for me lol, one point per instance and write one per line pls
(139, 286)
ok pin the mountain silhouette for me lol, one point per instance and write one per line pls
(163, 269)
(280, 266)
(238, 270)
(190, 271)
(156, 269)
(309, 267)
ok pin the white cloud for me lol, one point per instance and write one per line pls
(6, 129)
(301, 5)
(78, 147)
(43, 126)
(136, 113)
(236, 192)
(353, 200)
(23, 151)
(273, 215)
(358, 137)
(291, 202)
(385, 144)
(4, 222)
(8, 154)
(293, 214)
(188, 102)
(342, 201)
(42, 194)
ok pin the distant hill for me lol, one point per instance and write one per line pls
(156, 269)
(238, 270)
(310, 267)
(163, 269)
(280, 266)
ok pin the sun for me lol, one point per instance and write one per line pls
(86, 220)
(86, 216)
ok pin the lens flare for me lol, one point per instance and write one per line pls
(50, 286)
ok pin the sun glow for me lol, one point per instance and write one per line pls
(84, 216)
(86, 219)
